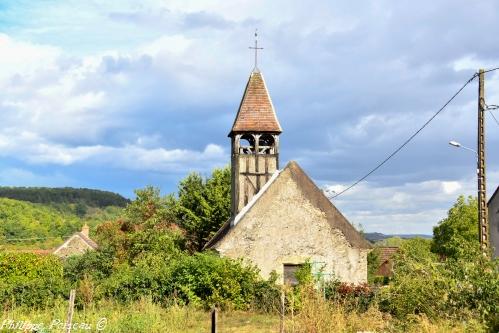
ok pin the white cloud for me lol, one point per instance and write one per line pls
(58, 109)
(25, 58)
(451, 187)
(407, 208)
(136, 86)
(35, 150)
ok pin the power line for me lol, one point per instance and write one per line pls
(491, 70)
(412, 136)
(495, 119)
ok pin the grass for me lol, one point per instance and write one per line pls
(143, 316)
(316, 316)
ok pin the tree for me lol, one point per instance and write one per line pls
(148, 227)
(457, 234)
(203, 205)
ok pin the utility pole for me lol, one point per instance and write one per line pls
(483, 219)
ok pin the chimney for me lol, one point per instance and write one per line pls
(85, 229)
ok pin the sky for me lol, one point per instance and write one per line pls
(119, 95)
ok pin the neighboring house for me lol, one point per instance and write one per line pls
(385, 260)
(77, 244)
(493, 207)
(279, 218)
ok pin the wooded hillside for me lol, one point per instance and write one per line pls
(64, 195)
(26, 225)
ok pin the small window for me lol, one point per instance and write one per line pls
(290, 273)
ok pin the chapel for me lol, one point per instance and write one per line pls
(280, 219)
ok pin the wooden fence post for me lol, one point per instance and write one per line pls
(214, 320)
(71, 307)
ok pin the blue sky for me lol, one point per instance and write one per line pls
(118, 95)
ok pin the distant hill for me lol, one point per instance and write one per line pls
(25, 220)
(64, 195)
(36, 225)
(377, 236)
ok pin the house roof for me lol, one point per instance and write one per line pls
(317, 198)
(80, 235)
(256, 112)
(386, 253)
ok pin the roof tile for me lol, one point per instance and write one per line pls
(256, 112)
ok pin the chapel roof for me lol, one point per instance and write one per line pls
(256, 112)
(316, 197)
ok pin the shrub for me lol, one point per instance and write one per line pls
(474, 287)
(418, 284)
(212, 280)
(203, 279)
(354, 297)
(30, 280)
(457, 288)
(267, 295)
(149, 277)
(95, 264)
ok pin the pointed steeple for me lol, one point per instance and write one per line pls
(256, 112)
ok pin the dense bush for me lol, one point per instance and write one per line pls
(30, 280)
(212, 280)
(95, 264)
(354, 297)
(203, 279)
(418, 284)
(466, 287)
(148, 277)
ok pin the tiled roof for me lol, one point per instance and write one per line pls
(256, 112)
(88, 240)
(386, 253)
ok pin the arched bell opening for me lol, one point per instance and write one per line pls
(266, 144)
(247, 144)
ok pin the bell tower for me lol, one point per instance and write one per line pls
(255, 142)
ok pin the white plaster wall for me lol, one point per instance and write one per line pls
(284, 227)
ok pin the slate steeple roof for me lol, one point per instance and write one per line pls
(256, 112)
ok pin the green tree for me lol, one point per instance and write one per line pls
(418, 284)
(149, 209)
(147, 227)
(203, 205)
(457, 234)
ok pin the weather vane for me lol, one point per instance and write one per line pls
(256, 48)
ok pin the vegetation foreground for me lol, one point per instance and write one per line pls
(145, 316)
(150, 275)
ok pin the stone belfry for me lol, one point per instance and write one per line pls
(255, 142)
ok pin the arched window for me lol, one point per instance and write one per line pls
(247, 144)
(266, 144)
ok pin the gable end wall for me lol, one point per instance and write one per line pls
(284, 227)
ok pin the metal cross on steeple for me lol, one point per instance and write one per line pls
(256, 48)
